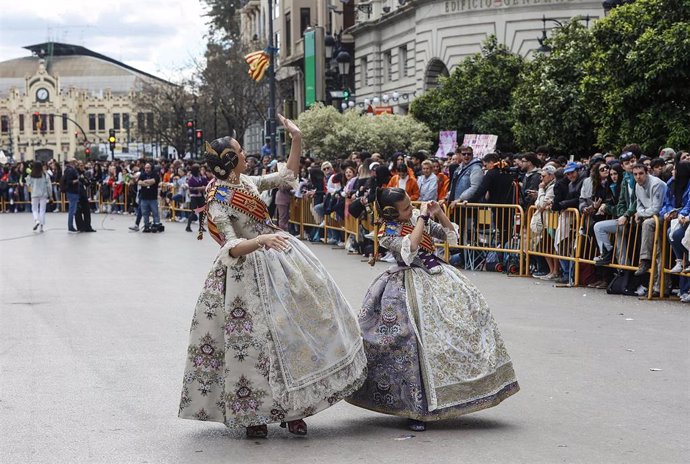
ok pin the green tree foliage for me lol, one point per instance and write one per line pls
(475, 98)
(327, 133)
(548, 106)
(223, 23)
(637, 77)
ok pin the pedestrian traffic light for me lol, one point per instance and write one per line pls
(190, 132)
(346, 95)
(112, 139)
(199, 134)
(87, 152)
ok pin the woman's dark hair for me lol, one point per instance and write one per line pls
(195, 170)
(383, 176)
(37, 169)
(385, 202)
(680, 182)
(491, 158)
(222, 159)
(316, 178)
(595, 176)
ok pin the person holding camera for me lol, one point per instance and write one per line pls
(70, 186)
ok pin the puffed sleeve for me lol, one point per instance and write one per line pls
(399, 245)
(226, 223)
(284, 177)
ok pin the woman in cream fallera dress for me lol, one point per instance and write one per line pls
(272, 339)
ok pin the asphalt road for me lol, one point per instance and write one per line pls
(93, 337)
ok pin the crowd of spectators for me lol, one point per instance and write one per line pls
(613, 190)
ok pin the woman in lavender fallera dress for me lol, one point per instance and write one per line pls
(433, 348)
(272, 340)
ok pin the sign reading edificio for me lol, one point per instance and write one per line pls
(470, 5)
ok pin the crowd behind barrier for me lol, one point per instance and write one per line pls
(508, 221)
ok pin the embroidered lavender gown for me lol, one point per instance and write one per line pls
(272, 337)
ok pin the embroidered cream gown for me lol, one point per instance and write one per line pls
(272, 337)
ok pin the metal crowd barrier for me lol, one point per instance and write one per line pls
(489, 228)
(558, 238)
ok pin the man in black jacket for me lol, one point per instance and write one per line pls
(576, 175)
(70, 186)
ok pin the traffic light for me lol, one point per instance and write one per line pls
(87, 152)
(190, 132)
(346, 95)
(112, 139)
(199, 134)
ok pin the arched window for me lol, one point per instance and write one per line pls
(434, 69)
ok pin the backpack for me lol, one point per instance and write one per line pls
(623, 283)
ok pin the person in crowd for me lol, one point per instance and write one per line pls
(405, 181)
(417, 160)
(625, 209)
(316, 189)
(656, 168)
(148, 198)
(529, 165)
(41, 190)
(466, 178)
(575, 175)
(676, 211)
(441, 178)
(544, 202)
(196, 185)
(289, 345)
(650, 192)
(471, 357)
(428, 182)
(594, 196)
(542, 153)
(82, 217)
(497, 185)
(70, 186)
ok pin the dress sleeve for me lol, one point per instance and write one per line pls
(439, 232)
(399, 245)
(226, 222)
(284, 177)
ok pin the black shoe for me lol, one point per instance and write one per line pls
(147, 230)
(645, 264)
(415, 425)
(189, 229)
(73, 230)
(604, 259)
(90, 230)
(36, 226)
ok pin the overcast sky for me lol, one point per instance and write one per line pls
(156, 36)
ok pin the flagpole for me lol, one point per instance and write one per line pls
(271, 83)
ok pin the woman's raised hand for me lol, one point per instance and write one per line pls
(274, 241)
(434, 208)
(289, 125)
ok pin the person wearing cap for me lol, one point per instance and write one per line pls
(563, 200)
(544, 202)
(625, 209)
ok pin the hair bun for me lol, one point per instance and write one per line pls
(221, 164)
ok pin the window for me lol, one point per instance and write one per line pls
(402, 61)
(387, 66)
(116, 121)
(21, 123)
(101, 122)
(304, 19)
(92, 122)
(64, 122)
(41, 122)
(364, 71)
(141, 122)
(4, 124)
(288, 34)
(51, 122)
(125, 120)
(149, 121)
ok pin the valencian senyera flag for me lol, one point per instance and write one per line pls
(258, 64)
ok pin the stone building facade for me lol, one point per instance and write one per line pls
(65, 98)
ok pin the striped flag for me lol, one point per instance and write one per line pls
(258, 64)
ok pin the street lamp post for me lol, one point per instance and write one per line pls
(271, 83)
(338, 63)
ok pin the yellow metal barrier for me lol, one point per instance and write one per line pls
(558, 238)
(296, 214)
(490, 228)
(668, 261)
